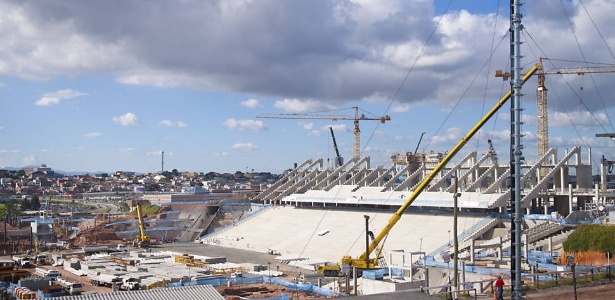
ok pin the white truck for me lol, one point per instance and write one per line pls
(72, 288)
(22, 261)
(104, 279)
(130, 283)
(45, 273)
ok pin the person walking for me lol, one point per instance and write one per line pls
(499, 285)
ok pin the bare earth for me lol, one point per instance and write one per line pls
(588, 292)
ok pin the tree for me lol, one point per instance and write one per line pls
(25, 204)
(175, 172)
(35, 203)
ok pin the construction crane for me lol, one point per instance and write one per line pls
(338, 157)
(542, 115)
(317, 116)
(364, 261)
(142, 240)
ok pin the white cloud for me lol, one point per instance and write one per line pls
(54, 98)
(127, 119)
(244, 146)
(91, 134)
(127, 150)
(170, 123)
(30, 159)
(307, 126)
(296, 105)
(400, 107)
(578, 118)
(167, 123)
(251, 103)
(242, 125)
(158, 153)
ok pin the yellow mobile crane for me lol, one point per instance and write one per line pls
(364, 261)
(142, 240)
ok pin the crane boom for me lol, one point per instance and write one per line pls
(362, 262)
(338, 157)
(356, 118)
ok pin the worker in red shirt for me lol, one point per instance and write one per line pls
(499, 285)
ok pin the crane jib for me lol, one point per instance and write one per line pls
(393, 220)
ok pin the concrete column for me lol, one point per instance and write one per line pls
(550, 245)
(570, 198)
(500, 249)
(527, 247)
(472, 251)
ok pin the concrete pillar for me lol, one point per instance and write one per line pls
(570, 198)
(545, 205)
(500, 249)
(472, 251)
(550, 245)
(527, 246)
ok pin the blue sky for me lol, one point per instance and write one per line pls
(107, 86)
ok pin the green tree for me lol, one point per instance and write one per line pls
(35, 203)
(25, 204)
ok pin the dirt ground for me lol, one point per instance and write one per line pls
(586, 292)
(256, 291)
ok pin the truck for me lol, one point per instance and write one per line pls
(104, 279)
(130, 283)
(71, 287)
(45, 273)
(23, 261)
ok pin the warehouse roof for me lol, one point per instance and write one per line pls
(206, 292)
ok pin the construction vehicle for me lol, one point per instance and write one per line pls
(356, 118)
(364, 262)
(142, 240)
(23, 261)
(339, 161)
(70, 287)
(130, 283)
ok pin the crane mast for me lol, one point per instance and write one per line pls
(316, 116)
(542, 113)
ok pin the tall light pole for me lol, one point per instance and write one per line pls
(269, 268)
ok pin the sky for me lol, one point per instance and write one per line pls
(105, 86)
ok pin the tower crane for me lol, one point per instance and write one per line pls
(317, 116)
(542, 115)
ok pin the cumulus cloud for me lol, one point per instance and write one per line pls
(244, 146)
(333, 51)
(297, 105)
(578, 118)
(128, 119)
(169, 123)
(242, 125)
(400, 107)
(250, 103)
(30, 160)
(54, 98)
(91, 134)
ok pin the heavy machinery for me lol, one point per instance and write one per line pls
(142, 240)
(338, 158)
(364, 261)
(356, 118)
